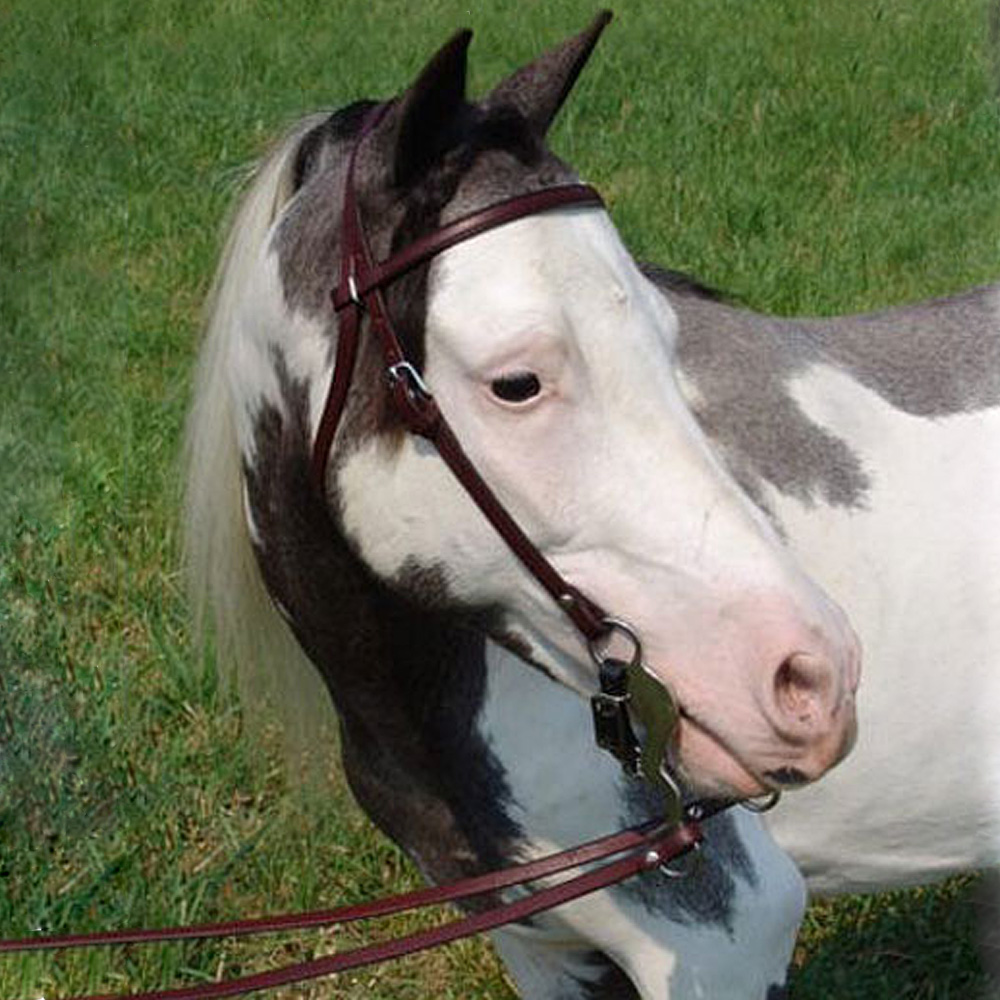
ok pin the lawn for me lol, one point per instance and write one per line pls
(808, 157)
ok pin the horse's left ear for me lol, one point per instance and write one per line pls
(430, 108)
(539, 89)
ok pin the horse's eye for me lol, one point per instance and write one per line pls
(517, 388)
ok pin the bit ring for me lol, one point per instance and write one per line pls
(598, 646)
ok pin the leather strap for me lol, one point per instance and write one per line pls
(353, 247)
(646, 850)
(476, 885)
(464, 228)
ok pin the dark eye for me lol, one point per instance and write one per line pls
(517, 388)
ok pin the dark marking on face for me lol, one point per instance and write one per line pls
(477, 134)
(787, 776)
(707, 895)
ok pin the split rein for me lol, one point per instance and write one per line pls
(627, 853)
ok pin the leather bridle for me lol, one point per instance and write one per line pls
(359, 291)
(625, 684)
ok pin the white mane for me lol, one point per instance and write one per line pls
(228, 596)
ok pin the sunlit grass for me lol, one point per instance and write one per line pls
(808, 157)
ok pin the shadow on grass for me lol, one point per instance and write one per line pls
(917, 945)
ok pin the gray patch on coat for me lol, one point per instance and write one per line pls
(929, 360)
(741, 364)
(707, 896)
(933, 359)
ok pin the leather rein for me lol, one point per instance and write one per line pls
(627, 853)
(627, 689)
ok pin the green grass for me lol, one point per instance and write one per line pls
(809, 157)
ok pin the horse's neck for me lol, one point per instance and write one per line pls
(407, 683)
(872, 442)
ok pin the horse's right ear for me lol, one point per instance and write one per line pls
(539, 89)
(429, 110)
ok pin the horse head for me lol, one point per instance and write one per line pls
(552, 357)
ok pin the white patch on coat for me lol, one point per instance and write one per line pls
(304, 345)
(918, 571)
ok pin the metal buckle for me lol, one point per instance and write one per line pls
(403, 371)
(692, 859)
(352, 291)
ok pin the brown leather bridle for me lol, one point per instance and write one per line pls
(624, 682)
(359, 291)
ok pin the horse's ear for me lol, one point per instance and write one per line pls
(429, 110)
(539, 89)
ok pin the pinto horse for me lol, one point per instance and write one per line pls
(351, 549)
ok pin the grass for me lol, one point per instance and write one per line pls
(810, 157)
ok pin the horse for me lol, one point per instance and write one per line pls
(349, 549)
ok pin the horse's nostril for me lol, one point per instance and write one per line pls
(801, 686)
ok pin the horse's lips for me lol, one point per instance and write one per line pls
(693, 742)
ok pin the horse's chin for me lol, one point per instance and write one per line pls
(709, 769)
